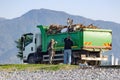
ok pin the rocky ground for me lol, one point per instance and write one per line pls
(76, 74)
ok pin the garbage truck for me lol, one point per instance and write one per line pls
(89, 44)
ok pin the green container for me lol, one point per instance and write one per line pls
(87, 39)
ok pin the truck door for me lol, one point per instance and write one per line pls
(29, 45)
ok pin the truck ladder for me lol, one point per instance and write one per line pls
(57, 57)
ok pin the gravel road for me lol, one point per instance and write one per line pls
(76, 74)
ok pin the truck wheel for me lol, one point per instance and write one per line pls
(31, 59)
(94, 63)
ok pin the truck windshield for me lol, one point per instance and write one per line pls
(28, 39)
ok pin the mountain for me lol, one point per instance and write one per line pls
(2, 19)
(12, 29)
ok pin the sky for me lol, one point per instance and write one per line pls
(107, 10)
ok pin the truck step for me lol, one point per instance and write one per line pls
(57, 57)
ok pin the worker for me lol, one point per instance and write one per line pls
(69, 23)
(68, 43)
(51, 50)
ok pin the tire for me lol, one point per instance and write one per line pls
(94, 63)
(31, 59)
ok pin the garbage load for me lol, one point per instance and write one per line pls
(55, 28)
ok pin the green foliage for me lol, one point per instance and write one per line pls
(20, 55)
(19, 46)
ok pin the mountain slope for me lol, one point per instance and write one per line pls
(11, 30)
(2, 19)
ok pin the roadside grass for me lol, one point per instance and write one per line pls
(35, 67)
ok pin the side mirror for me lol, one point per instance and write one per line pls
(22, 43)
(22, 39)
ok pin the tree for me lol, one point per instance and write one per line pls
(20, 49)
(26, 39)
